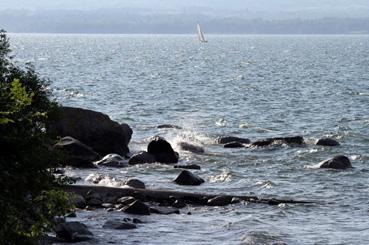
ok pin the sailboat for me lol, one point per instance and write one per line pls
(200, 34)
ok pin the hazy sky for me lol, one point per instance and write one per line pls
(262, 5)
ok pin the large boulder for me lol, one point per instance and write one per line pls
(229, 139)
(94, 129)
(137, 207)
(162, 151)
(73, 232)
(337, 162)
(188, 178)
(141, 158)
(113, 160)
(327, 142)
(76, 153)
(135, 183)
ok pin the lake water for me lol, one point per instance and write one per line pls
(247, 86)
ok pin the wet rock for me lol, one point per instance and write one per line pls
(71, 215)
(126, 200)
(230, 139)
(188, 178)
(141, 158)
(137, 207)
(76, 154)
(73, 232)
(94, 129)
(220, 201)
(164, 210)
(107, 205)
(94, 199)
(112, 160)
(135, 183)
(294, 140)
(327, 142)
(119, 225)
(337, 162)
(168, 126)
(179, 204)
(235, 200)
(162, 150)
(234, 145)
(78, 201)
(189, 166)
(191, 148)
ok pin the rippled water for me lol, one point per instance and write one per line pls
(247, 86)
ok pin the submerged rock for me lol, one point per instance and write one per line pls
(294, 140)
(189, 166)
(73, 232)
(137, 207)
(169, 126)
(164, 210)
(94, 199)
(112, 160)
(229, 139)
(162, 151)
(135, 183)
(220, 201)
(141, 158)
(95, 129)
(234, 145)
(76, 153)
(327, 142)
(119, 225)
(337, 162)
(190, 147)
(188, 178)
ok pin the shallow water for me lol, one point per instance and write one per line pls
(247, 86)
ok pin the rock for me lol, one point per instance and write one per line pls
(137, 207)
(126, 200)
(73, 232)
(78, 200)
(188, 178)
(234, 145)
(113, 160)
(168, 126)
(135, 183)
(119, 225)
(327, 142)
(294, 140)
(189, 166)
(235, 200)
(76, 153)
(337, 162)
(179, 204)
(220, 201)
(141, 158)
(162, 151)
(94, 129)
(190, 147)
(94, 199)
(164, 210)
(107, 205)
(229, 139)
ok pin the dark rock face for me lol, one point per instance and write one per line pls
(229, 139)
(78, 201)
(112, 160)
(73, 232)
(135, 183)
(188, 178)
(76, 153)
(169, 126)
(294, 140)
(337, 162)
(220, 201)
(119, 225)
(94, 129)
(162, 151)
(179, 204)
(190, 166)
(190, 147)
(137, 207)
(94, 199)
(126, 200)
(327, 142)
(234, 145)
(141, 158)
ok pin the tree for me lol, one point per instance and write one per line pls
(31, 195)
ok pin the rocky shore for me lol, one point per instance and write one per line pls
(90, 139)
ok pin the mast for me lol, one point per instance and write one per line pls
(200, 34)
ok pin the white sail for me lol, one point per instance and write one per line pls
(200, 35)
